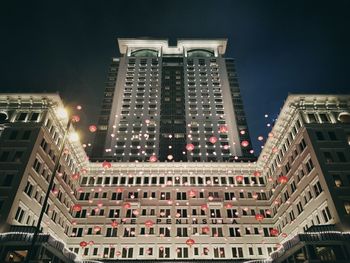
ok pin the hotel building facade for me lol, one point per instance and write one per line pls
(172, 175)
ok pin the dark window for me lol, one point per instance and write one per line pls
(319, 136)
(341, 157)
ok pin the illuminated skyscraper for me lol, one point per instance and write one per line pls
(172, 103)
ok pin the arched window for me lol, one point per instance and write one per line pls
(144, 53)
(200, 53)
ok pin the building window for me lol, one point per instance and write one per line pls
(317, 189)
(326, 214)
(309, 166)
(319, 136)
(347, 207)
(182, 252)
(28, 189)
(332, 136)
(341, 157)
(7, 180)
(219, 252)
(127, 252)
(237, 252)
(19, 214)
(328, 156)
(337, 181)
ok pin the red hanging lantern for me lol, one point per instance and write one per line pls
(153, 159)
(75, 118)
(76, 208)
(239, 178)
(274, 232)
(149, 223)
(192, 193)
(204, 207)
(284, 235)
(283, 179)
(75, 176)
(274, 149)
(190, 242)
(118, 253)
(205, 229)
(228, 206)
(92, 128)
(257, 173)
(190, 147)
(83, 244)
(245, 143)
(255, 195)
(135, 212)
(106, 165)
(259, 217)
(213, 139)
(97, 228)
(91, 243)
(127, 205)
(114, 224)
(223, 129)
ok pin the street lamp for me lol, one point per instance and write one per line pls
(62, 114)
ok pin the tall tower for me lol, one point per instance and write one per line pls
(172, 103)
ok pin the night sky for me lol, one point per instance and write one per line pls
(280, 47)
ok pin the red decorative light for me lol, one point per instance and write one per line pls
(223, 129)
(244, 143)
(149, 223)
(274, 232)
(192, 193)
(76, 208)
(127, 205)
(114, 224)
(239, 178)
(79, 107)
(204, 207)
(190, 147)
(91, 243)
(274, 149)
(283, 179)
(255, 195)
(257, 173)
(284, 235)
(106, 165)
(92, 128)
(83, 171)
(260, 138)
(83, 243)
(153, 159)
(75, 118)
(213, 139)
(118, 253)
(97, 228)
(228, 206)
(259, 217)
(136, 212)
(205, 229)
(190, 242)
(75, 176)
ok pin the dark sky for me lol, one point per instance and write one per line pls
(281, 47)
